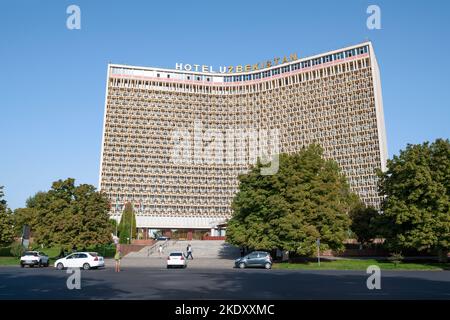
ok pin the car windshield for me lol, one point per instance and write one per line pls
(30, 253)
(176, 254)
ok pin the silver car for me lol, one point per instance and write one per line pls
(260, 259)
(34, 258)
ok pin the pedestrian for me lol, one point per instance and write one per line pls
(160, 249)
(117, 258)
(189, 252)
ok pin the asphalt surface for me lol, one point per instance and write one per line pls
(205, 280)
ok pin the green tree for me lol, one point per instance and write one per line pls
(24, 216)
(308, 198)
(68, 215)
(127, 224)
(363, 222)
(416, 211)
(114, 225)
(6, 222)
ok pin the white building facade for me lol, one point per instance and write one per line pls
(333, 99)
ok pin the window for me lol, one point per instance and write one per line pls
(338, 56)
(262, 254)
(362, 50)
(306, 64)
(253, 255)
(316, 61)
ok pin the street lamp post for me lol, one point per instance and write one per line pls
(318, 250)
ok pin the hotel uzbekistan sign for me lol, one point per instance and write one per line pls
(238, 68)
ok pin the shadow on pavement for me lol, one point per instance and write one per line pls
(142, 283)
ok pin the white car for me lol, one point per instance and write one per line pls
(34, 258)
(176, 259)
(85, 260)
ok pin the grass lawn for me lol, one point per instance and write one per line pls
(52, 253)
(350, 264)
(9, 261)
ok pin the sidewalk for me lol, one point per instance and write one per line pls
(155, 262)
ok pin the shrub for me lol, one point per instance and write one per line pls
(5, 252)
(396, 258)
(106, 251)
(17, 249)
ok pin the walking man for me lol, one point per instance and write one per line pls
(160, 249)
(189, 252)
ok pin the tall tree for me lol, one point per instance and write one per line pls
(24, 216)
(127, 225)
(2, 201)
(416, 211)
(69, 215)
(364, 222)
(308, 198)
(6, 222)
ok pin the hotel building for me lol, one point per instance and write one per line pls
(333, 99)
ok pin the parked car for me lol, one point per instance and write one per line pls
(176, 259)
(255, 259)
(162, 238)
(34, 258)
(85, 260)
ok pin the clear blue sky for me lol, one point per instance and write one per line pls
(52, 80)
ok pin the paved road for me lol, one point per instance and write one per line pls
(206, 280)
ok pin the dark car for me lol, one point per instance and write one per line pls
(162, 238)
(260, 259)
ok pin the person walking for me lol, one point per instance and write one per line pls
(189, 252)
(117, 258)
(160, 249)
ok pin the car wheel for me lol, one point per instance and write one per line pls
(267, 265)
(60, 266)
(86, 266)
(242, 265)
(47, 264)
(31, 265)
(39, 264)
(22, 265)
